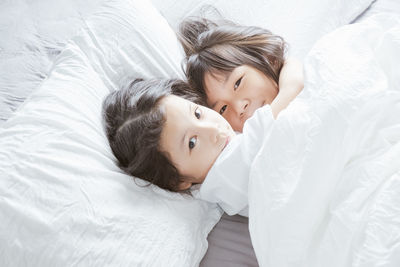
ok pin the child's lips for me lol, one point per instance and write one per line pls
(228, 139)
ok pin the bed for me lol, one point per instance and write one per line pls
(63, 201)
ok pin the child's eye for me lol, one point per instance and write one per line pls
(197, 113)
(222, 110)
(192, 142)
(237, 83)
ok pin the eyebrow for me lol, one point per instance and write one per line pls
(212, 106)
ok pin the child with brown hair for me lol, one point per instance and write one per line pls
(237, 69)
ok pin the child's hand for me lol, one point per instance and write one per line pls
(291, 82)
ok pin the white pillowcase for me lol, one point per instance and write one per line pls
(301, 23)
(63, 200)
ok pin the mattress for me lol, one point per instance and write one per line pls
(229, 244)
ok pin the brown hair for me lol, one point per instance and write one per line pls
(220, 47)
(133, 121)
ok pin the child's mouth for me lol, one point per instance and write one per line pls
(226, 142)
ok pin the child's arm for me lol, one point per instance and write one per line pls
(291, 82)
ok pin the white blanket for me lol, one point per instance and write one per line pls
(324, 189)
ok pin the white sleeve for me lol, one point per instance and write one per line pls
(227, 181)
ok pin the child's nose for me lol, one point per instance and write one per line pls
(240, 107)
(213, 131)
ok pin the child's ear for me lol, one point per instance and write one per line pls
(184, 186)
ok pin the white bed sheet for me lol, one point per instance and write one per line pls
(34, 38)
(34, 32)
(32, 35)
(380, 7)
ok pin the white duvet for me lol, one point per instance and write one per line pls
(324, 189)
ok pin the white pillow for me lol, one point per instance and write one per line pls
(301, 23)
(128, 39)
(63, 200)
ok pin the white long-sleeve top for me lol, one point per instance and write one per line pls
(227, 181)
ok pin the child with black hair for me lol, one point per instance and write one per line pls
(159, 132)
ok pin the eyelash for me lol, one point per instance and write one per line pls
(222, 110)
(193, 140)
(237, 83)
(197, 111)
(235, 86)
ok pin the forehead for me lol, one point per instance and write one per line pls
(177, 121)
(214, 83)
(174, 107)
(175, 110)
(215, 77)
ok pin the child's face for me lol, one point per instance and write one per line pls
(237, 95)
(193, 136)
